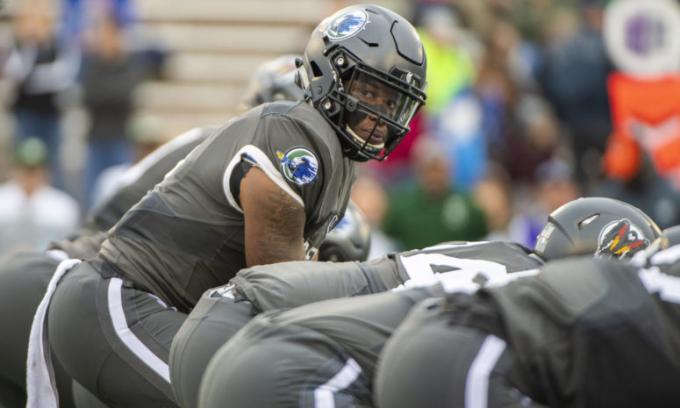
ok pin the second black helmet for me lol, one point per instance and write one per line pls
(598, 226)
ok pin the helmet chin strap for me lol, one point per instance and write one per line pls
(361, 141)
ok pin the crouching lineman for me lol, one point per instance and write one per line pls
(581, 333)
(223, 311)
(24, 276)
(327, 352)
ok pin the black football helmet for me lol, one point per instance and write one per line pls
(349, 240)
(364, 71)
(274, 80)
(598, 226)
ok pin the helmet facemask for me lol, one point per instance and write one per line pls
(370, 109)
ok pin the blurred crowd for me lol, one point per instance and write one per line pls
(65, 54)
(516, 124)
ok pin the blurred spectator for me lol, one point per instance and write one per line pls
(478, 15)
(509, 51)
(647, 191)
(452, 115)
(109, 78)
(554, 186)
(459, 128)
(431, 210)
(77, 15)
(32, 213)
(493, 195)
(449, 66)
(40, 69)
(506, 69)
(370, 197)
(532, 16)
(496, 93)
(533, 140)
(574, 79)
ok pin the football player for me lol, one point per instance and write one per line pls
(24, 276)
(221, 312)
(581, 333)
(328, 351)
(264, 188)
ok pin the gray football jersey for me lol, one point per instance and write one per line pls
(464, 266)
(186, 235)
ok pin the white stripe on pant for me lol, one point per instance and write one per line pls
(477, 381)
(324, 396)
(115, 301)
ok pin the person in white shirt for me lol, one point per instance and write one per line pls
(32, 212)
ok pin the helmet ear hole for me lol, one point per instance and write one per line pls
(587, 221)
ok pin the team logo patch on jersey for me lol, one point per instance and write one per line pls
(620, 239)
(299, 165)
(346, 25)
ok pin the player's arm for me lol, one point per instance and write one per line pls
(291, 284)
(274, 221)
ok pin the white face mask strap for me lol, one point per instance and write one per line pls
(304, 79)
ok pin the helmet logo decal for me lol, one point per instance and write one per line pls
(346, 25)
(299, 165)
(620, 239)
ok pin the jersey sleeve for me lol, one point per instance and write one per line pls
(292, 284)
(291, 156)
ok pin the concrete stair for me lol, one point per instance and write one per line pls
(215, 45)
